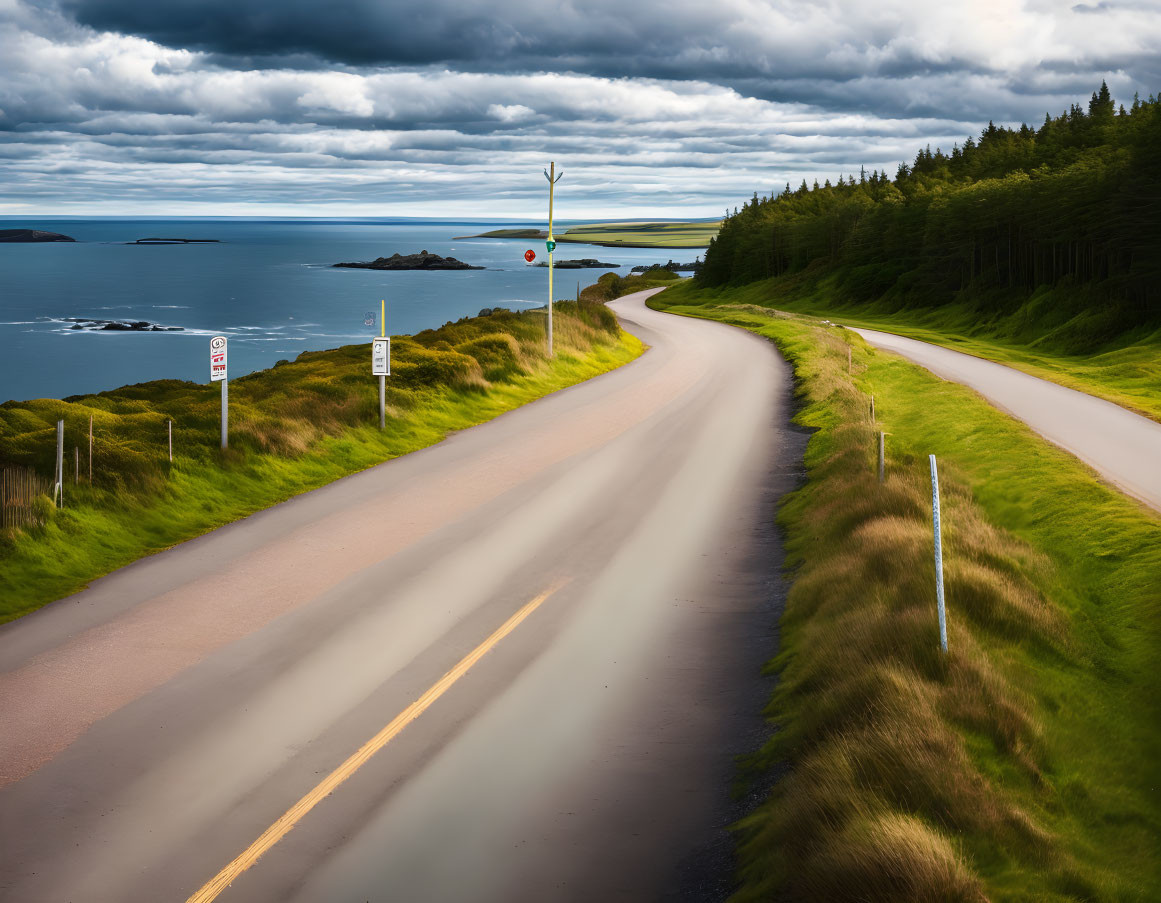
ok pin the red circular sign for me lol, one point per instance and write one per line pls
(530, 255)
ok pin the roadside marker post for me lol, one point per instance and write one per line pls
(550, 244)
(381, 363)
(218, 374)
(90, 449)
(58, 489)
(170, 422)
(938, 554)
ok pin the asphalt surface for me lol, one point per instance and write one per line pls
(1121, 446)
(158, 723)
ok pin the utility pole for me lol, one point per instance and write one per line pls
(553, 178)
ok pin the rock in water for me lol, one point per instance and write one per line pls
(585, 263)
(30, 235)
(420, 261)
(119, 325)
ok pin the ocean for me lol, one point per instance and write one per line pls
(267, 284)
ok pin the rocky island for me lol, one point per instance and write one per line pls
(585, 263)
(174, 241)
(119, 325)
(31, 235)
(420, 261)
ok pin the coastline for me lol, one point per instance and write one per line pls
(294, 427)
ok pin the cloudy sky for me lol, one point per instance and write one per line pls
(452, 108)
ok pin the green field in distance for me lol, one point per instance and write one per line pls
(625, 235)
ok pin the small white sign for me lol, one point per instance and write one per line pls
(381, 357)
(217, 358)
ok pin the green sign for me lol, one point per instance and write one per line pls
(551, 245)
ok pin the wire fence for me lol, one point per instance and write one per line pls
(19, 489)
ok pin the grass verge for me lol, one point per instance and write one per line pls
(1021, 766)
(293, 428)
(1056, 334)
(611, 286)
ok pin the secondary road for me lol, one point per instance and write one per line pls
(516, 665)
(1123, 447)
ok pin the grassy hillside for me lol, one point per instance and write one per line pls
(1046, 237)
(292, 428)
(1021, 766)
(1045, 334)
(611, 286)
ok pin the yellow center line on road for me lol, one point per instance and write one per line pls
(214, 887)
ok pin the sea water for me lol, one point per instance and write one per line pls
(269, 285)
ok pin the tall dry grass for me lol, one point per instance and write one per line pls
(879, 783)
(289, 408)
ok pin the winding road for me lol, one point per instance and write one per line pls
(1125, 448)
(516, 665)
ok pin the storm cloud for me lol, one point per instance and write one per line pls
(376, 107)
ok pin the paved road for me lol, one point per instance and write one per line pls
(1122, 446)
(158, 724)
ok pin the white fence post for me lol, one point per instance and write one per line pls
(59, 464)
(938, 554)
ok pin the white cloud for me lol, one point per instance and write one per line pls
(761, 93)
(510, 112)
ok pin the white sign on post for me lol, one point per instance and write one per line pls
(217, 358)
(381, 357)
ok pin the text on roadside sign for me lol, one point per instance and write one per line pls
(217, 358)
(381, 357)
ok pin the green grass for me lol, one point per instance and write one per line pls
(1056, 334)
(1023, 765)
(295, 427)
(611, 286)
(644, 235)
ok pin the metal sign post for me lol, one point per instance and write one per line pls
(218, 374)
(381, 364)
(938, 554)
(550, 244)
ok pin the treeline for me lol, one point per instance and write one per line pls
(1076, 201)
